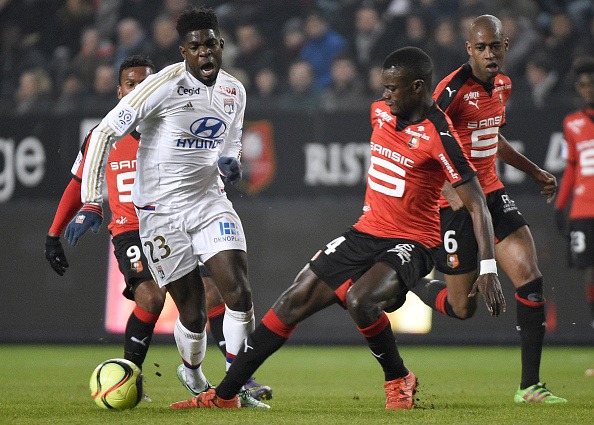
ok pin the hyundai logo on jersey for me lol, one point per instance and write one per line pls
(208, 128)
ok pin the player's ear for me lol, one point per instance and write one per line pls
(222, 42)
(182, 49)
(418, 85)
(506, 43)
(469, 48)
(120, 95)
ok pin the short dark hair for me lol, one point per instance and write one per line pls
(194, 18)
(134, 61)
(583, 65)
(414, 61)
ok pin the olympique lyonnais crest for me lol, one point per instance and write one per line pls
(229, 106)
(453, 261)
(413, 143)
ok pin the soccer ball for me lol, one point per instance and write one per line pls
(116, 384)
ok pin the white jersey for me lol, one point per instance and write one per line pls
(186, 127)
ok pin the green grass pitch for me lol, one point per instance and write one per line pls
(48, 384)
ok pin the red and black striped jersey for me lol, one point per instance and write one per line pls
(477, 111)
(410, 162)
(578, 178)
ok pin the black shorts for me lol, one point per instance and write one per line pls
(347, 258)
(127, 248)
(458, 252)
(581, 246)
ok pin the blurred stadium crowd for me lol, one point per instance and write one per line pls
(62, 56)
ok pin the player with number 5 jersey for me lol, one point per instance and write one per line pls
(474, 98)
(371, 266)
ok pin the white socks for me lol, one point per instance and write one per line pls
(237, 325)
(192, 348)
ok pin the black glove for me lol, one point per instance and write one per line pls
(230, 169)
(560, 222)
(55, 254)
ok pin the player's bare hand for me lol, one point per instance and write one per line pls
(452, 196)
(490, 288)
(548, 184)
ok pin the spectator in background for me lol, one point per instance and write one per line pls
(93, 52)
(301, 94)
(445, 45)
(346, 92)
(293, 40)
(131, 40)
(33, 95)
(561, 43)
(372, 41)
(70, 95)
(102, 97)
(165, 43)
(322, 45)
(541, 81)
(70, 20)
(265, 91)
(374, 87)
(253, 52)
(523, 39)
(415, 33)
(18, 53)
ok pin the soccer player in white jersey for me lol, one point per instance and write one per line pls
(190, 116)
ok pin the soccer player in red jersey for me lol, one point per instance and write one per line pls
(474, 98)
(371, 266)
(140, 286)
(578, 178)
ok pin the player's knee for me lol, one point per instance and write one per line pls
(361, 308)
(155, 301)
(239, 297)
(193, 319)
(531, 293)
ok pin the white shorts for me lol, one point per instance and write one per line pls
(175, 241)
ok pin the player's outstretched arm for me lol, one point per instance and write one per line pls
(547, 181)
(89, 216)
(487, 283)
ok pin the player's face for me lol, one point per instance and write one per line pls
(131, 77)
(584, 85)
(203, 52)
(487, 49)
(399, 93)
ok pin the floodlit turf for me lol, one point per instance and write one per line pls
(312, 385)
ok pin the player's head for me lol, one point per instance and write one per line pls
(583, 71)
(201, 43)
(133, 70)
(486, 47)
(406, 77)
